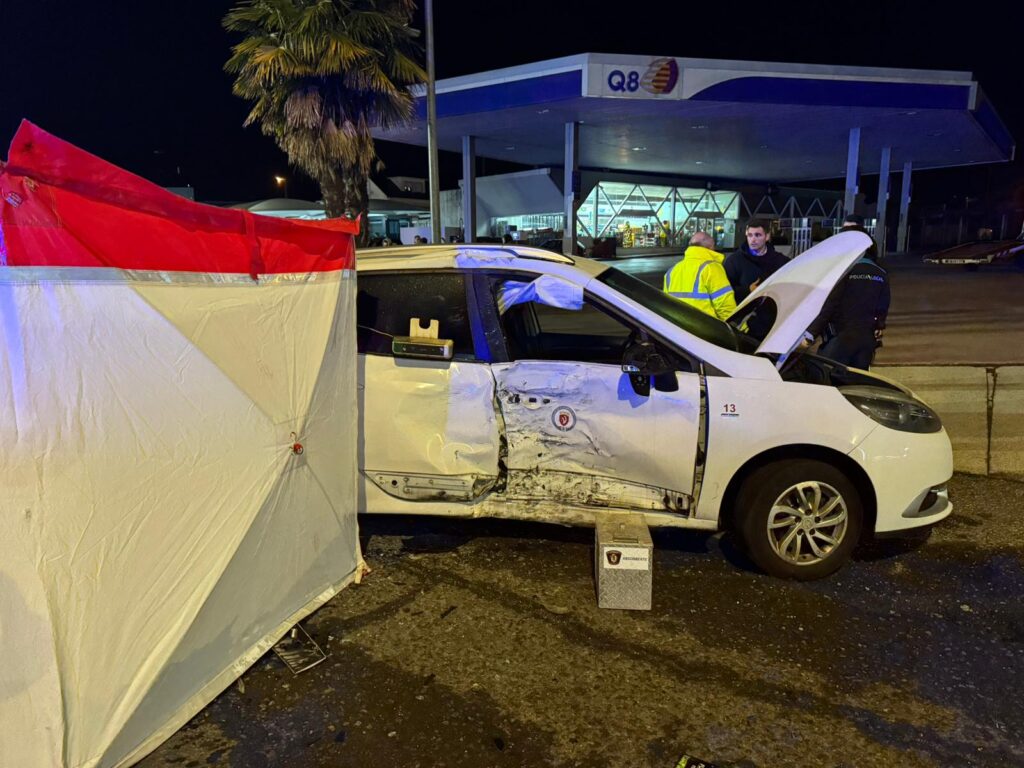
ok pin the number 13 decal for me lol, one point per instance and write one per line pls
(729, 409)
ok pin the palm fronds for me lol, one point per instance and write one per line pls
(321, 74)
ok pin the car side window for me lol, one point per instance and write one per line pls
(591, 334)
(386, 302)
(535, 331)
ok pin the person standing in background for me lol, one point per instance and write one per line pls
(753, 261)
(699, 279)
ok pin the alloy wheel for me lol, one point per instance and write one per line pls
(807, 522)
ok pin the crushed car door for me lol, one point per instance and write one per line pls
(428, 427)
(577, 431)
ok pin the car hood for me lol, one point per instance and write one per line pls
(799, 288)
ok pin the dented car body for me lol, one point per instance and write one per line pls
(517, 383)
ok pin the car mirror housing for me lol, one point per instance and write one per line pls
(643, 360)
(641, 383)
(643, 357)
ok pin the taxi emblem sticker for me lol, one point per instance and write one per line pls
(564, 418)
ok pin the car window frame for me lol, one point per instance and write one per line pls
(488, 312)
(476, 330)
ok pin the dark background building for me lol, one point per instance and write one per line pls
(143, 85)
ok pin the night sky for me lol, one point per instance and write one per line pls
(142, 83)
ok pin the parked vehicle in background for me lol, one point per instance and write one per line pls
(555, 246)
(981, 252)
(505, 381)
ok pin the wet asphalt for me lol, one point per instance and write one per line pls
(479, 643)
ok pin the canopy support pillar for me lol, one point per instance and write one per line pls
(904, 226)
(571, 187)
(883, 199)
(852, 171)
(469, 188)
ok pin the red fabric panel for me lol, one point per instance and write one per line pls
(63, 207)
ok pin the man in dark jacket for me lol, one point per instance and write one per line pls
(854, 314)
(753, 261)
(747, 266)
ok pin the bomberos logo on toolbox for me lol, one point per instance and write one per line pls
(627, 558)
(660, 78)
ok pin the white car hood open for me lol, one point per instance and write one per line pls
(800, 288)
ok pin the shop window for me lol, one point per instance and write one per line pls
(385, 303)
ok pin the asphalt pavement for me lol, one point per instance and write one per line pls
(479, 643)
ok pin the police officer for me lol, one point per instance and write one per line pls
(854, 314)
(699, 279)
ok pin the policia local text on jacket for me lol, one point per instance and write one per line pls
(700, 281)
(853, 312)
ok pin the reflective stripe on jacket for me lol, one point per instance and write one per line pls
(700, 281)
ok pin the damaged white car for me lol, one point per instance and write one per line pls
(513, 382)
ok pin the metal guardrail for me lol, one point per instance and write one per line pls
(982, 408)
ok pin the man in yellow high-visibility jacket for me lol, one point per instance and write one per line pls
(699, 279)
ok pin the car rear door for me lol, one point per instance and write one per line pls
(428, 428)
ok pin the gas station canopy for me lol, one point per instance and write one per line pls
(741, 120)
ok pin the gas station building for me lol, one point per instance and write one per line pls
(647, 149)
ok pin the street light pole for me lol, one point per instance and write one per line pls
(435, 189)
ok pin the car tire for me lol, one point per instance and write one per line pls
(798, 519)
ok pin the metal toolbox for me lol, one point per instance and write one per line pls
(624, 562)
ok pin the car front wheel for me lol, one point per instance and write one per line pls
(799, 519)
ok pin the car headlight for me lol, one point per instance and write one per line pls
(893, 409)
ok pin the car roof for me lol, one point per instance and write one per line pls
(525, 259)
(468, 255)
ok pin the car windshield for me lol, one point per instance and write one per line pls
(692, 320)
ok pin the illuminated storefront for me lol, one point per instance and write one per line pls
(531, 228)
(652, 215)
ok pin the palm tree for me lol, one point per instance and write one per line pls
(322, 74)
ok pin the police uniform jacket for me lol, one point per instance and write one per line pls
(858, 305)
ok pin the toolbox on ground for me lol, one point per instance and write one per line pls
(624, 560)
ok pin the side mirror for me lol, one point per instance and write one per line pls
(644, 357)
(641, 361)
(641, 382)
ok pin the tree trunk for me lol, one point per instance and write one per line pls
(357, 202)
(345, 195)
(333, 190)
